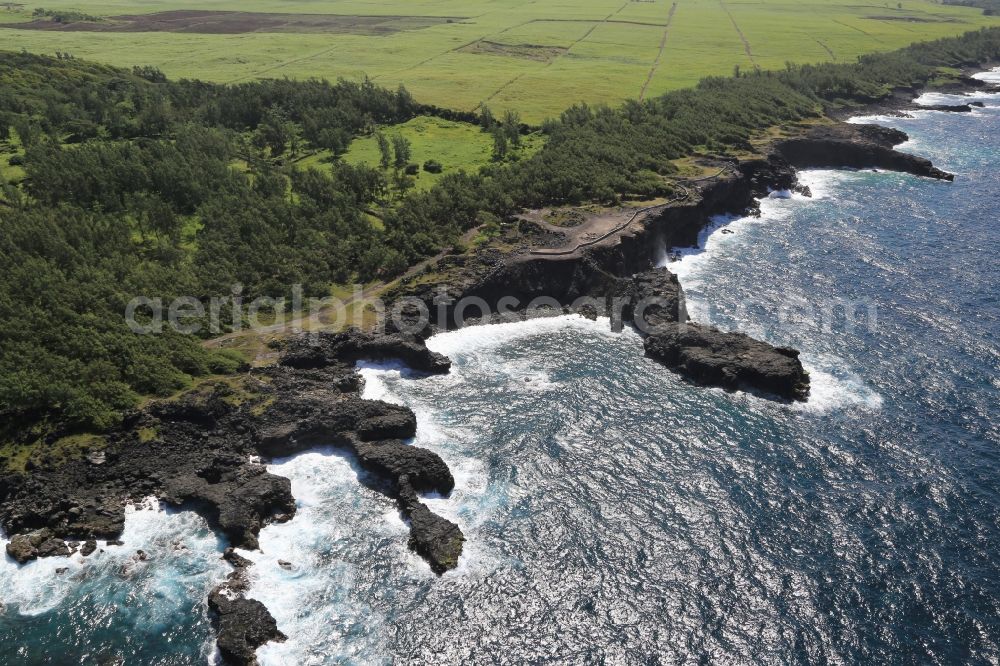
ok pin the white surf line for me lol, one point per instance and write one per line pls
(832, 385)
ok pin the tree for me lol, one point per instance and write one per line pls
(404, 101)
(512, 128)
(274, 132)
(486, 119)
(26, 132)
(385, 153)
(401, 148)
(500, 143)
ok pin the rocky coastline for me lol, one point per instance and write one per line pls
(901, 101)
(612, 277)
(206, 451)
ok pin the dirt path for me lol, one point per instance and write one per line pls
(370, 292)
(595, 226)
(659, 55)
(601, 227)
(743, 38)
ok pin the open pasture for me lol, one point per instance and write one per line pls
(536, 57)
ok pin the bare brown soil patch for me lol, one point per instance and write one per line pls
(915, 19)
(535, 52)
(235, 23)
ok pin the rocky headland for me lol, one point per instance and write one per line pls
(616, 274)
(858, 147)
(207, 450)
(203, 452)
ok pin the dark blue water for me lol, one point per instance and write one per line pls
(615, 514)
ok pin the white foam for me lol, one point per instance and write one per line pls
(473, 339)
(940, 99)
(833, 388)
(992, 76)
(822, 183)
(318, 599)
(875, 119)
(726, 233)
(375, 375)
(183, 560)
(311, 599)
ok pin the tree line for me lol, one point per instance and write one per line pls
(138, 185)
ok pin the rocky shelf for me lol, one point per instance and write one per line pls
(202, 457)
(200, 451)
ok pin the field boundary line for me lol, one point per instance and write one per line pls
(272, 68)
(743, 38)
(457, 48)
(659, 54)
(549, 63)
(854, 27)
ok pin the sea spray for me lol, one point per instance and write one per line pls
(118, 591)
(313, 573)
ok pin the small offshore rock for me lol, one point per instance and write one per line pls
(243, 625)
(732, 361)
(20, 549)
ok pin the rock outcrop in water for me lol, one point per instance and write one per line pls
(706, 355)
(855, 146)
(732, 361)
(951, 108)
(241, 625)
(198, 452)
(24, 548)
(657, 299)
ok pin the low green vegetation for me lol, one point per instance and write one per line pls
(435, 142)
(22, 456)
(536, 58)
(137, 185)
(64, 16)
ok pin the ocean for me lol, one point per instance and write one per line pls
(615, 514)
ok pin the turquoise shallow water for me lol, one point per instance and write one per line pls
(615, 514)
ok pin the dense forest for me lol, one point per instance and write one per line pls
(136, 185)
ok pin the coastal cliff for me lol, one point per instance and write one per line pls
(858, 147)
(607, 277)
(201, 453)
(204, 451)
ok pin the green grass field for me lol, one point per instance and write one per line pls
(536, 57)
(455, 145)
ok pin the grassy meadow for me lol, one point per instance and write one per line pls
(457, 146)
(535, 57)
